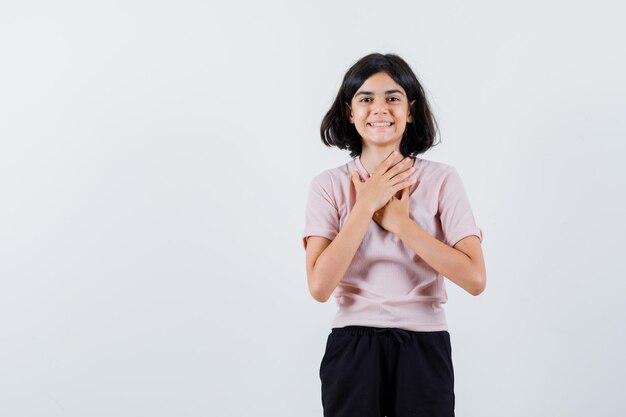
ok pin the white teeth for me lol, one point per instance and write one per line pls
(380, 124)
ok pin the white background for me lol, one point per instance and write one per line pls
(154, 164)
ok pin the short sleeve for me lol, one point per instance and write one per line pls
(457, 219)
(322, 216)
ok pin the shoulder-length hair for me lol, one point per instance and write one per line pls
(419, 135)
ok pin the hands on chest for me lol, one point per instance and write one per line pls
(378, 193)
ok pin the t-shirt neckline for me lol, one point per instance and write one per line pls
(363, 171)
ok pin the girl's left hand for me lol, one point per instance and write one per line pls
(394, 213)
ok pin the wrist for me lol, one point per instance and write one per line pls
(404, 228)
(363, 210)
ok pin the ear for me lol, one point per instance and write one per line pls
(411, 111)
(348, 110)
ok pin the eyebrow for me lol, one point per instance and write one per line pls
(370, 93)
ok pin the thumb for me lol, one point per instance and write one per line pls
(405, 193)
(356, 179)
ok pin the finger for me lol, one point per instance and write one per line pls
(354, 179)
(362, 177)
(407, 183)
(403, 167)
(399, 177)
(386, 163)
(405, 193)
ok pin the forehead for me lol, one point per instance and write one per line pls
(379, 83)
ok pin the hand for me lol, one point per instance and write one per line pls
(374, 192)
(391, 216)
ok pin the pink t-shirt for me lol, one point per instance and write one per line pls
(387, 284)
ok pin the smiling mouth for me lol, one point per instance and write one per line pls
(383, 124)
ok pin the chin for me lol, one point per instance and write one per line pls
(383, 141)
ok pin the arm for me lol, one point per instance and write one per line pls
(327, 261)
(463, 264)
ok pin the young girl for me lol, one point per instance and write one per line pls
(381, 232)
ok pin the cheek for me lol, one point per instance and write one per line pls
(359, 114)
(402, 116)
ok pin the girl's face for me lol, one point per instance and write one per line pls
(379, 110)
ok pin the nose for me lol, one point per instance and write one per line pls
(380, 106)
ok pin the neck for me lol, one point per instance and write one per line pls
(371, 158)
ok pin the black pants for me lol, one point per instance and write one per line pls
(377, 372)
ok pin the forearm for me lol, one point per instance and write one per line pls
(450, 262)
(333, 263)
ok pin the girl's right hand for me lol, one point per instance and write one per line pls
(376, 191)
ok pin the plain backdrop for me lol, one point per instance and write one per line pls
(155, 158)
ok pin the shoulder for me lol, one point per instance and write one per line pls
(333, 177)
(435, 171)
